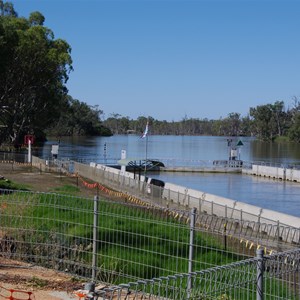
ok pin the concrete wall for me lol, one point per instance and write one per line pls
(293, 175)
(227, 207)
(204, 202)
(274, 172)
(267, 171)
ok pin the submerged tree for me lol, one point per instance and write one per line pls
(34, 69)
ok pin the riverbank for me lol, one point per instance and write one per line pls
(30, 178)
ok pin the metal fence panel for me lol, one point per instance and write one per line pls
(146, 248)
(269, 277)
(133, 241)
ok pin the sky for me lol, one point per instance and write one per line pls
(176, 59)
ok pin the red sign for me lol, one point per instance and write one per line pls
(28, 138)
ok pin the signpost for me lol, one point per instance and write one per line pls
(54, 151)
(29, 140)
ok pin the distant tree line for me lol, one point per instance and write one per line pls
(266, 122)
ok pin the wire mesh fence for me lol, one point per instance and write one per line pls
(264, 277)
(150, 251)
(125, 242)
(13, 157)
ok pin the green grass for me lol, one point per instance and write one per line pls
(66, 189)
(10, 185)
(137, 242)
(282, 139)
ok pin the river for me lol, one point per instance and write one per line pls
(194, 150)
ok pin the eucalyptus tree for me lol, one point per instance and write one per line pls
(269, 120)
(33, 72)
(279, 118)
(261, 116)
(78, 118)
(246, 126)
(231, 124)
(294, 121)
(7, 9)
(113, 123)
(294, 130)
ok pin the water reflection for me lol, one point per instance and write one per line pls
(275, 152)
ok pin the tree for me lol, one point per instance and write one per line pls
(231, 125)
(294, 121)
(246, 126)
(113, 123)
(32, 76)
(294, 130)
(269, 120)
(78, 118)
(7, 9)
(36, 18)
(278, 117)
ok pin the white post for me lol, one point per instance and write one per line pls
(123, 167)
(95, 239)
(146, 155)
(260, 274)
(191, 250)
(29, 151)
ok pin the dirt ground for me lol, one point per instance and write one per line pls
(44, 284)
(35, 180)
(33, 282)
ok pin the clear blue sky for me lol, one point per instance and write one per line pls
(170, 59)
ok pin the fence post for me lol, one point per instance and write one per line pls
(259, 274)
(224, 229)
(191, 249)
(200, 202)
(95, 238)
(278, 236)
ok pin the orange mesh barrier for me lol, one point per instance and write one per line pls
(81, 294)
(13, 294)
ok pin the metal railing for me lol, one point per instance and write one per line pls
(13, 157)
